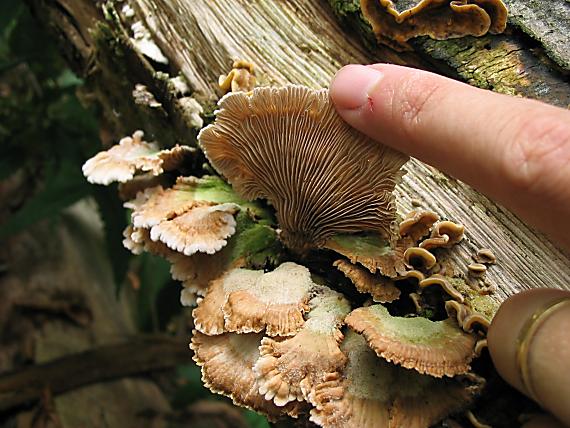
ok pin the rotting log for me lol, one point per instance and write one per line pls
(305, 42)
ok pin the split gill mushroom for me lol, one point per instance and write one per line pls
(289, 146)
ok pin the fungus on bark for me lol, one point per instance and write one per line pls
(417, 224)
(485, 256)
(289, 146)
(383, 290)
(227, 361)
(244, 301)
(240, 78)
(444, 234)
(372, 393)
(395, 22)
(122, 161)
(437, 348)
(289, 369)
(444, 283)
(419, 258)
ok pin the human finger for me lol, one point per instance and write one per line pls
(530, 346)
(514, 150)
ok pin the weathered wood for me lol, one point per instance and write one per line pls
(298, 41)
(546, 21)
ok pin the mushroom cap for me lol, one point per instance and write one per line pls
(395, 22)
(419, 258)
(477, 268)
(122, 161)
(445, 284)
(245, 301)
(485, 256)
(275, 301)
(372, 252)
(417, 224)
(372, 393)
(289, 369)
(203, 229)
(227, 361)
(289, 146)
(444, 234)
(436, 348)
(382, 289)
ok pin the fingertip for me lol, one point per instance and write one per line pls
(351, 86)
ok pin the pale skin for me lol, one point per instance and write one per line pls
(514, 150)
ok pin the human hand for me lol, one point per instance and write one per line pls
(514, 150)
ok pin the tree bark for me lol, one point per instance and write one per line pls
(305, 42)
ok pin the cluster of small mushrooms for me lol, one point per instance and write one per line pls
(271, 333)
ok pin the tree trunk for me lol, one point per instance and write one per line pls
(306, 42)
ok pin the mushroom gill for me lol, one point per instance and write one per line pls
(395, 22)
(289, 146)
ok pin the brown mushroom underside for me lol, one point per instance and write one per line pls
(289, 146)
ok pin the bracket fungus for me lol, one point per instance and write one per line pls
(245, 301)
(133, 154)
(289, 369)
(240, 78)
(419, 258)
(227, 368)
(372, 393)
(395, 22)
(417, 224)
(437, 348)
(382, 289)
(443, 282)
(444, 234)
(289, 146)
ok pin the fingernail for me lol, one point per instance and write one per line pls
(352, 86)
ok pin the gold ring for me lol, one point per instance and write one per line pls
(526, 336)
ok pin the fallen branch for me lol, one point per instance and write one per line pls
(137, 356)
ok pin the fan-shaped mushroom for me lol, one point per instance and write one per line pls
(395, 22)
(290, 369)
(133, 154)
(289, 145)
(436, 348)
(417, 224)
(445, 234)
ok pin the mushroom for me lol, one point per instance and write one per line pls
(227, 361)
(445, 284)
(289, 146)
(474, 319)
(372, 252)
(240, 78)
(246, 301)
(395, 22)
(203, 229)
(419, 258)
(479, 346)
(290, 369)
(133, 154)
(445, 234)
(477, 269)
(371, 392)
(437, 348)
(485, 256)
(417, 224)
(275, 301)
(383, 290)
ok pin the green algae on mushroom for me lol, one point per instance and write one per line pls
(289, 146)
(437, 348)
(372, 393)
